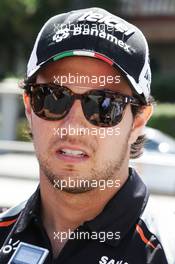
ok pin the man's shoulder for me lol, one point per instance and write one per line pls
(8, 219)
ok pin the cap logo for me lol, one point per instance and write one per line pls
(64, 33)
(146, 82)
(61, 34)
(109, 21)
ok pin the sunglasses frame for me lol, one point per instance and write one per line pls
(30, 89)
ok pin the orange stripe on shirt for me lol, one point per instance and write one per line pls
(144, 239)
(7, 223)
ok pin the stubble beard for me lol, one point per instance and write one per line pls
(108, 171)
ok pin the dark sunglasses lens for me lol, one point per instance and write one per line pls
(103, 109)
(51, 103)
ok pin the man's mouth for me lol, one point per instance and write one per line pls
(71, 152)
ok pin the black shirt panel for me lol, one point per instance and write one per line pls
(136, 244)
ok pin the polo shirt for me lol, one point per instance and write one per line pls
(120, 234)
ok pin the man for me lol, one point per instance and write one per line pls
(88, 73)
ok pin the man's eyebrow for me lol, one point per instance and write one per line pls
(99, 87)
(89, 88)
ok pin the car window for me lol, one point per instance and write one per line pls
(152, 145)
(162, 147)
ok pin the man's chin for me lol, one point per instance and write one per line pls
(71, 184)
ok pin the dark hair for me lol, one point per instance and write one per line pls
(137, 147)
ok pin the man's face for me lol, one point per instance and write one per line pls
(106, 156)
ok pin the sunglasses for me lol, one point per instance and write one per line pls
(103, 108)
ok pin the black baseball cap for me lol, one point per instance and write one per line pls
(94, 32)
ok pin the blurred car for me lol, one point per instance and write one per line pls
(19, 170)
(159, 142)
(157, 164)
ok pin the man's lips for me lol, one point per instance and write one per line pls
(72, 153)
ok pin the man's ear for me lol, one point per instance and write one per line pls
(26, 100)
(140, 121)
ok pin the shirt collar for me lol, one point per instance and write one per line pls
(30, 211)
(123, 210)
